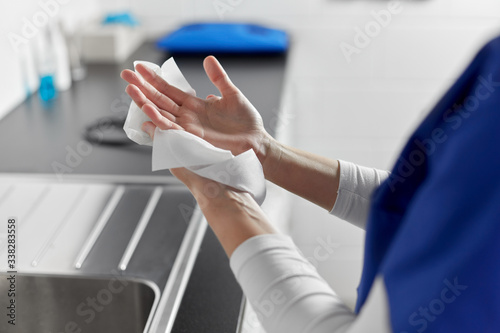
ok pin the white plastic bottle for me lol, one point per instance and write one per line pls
(61, 55)
(46, 67)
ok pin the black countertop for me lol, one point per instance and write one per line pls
(48, 139)
(48, 133)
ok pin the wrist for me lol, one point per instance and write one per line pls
(235, 217)
(226, 205)
(268, 151)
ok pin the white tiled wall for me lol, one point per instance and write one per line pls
(362, 111)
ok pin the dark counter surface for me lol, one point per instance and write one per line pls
(46, 134)
(39, 138)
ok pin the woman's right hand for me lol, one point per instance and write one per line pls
(229, 122)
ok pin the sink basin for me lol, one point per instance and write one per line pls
(56, 304)
(79, 235)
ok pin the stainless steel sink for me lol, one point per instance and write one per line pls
(76, 237)
(55, 304)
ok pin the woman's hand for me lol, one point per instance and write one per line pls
(229, 122)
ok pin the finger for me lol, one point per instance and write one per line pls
(158, 119)
(165, 114)
(218, 76)
(156, 81)
(182, 174)
(132, 78)
(137, 96)
(198, 185)
(152, 95)
(150, 92)
(189, 178)
(127, 75)
(145, 105)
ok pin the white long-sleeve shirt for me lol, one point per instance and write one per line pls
(286, 291)
(431, 245)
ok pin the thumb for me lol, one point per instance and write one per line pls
(182, 174)
(218, 76)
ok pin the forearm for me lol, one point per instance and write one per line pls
(288, 295)
(307, 175)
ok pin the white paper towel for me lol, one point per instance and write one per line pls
(136, 117)
(177, 148)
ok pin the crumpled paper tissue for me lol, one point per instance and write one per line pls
(178, 148)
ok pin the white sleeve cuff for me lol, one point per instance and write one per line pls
(356, 187)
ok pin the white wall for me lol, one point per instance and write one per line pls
(161, 15)
(363, 110)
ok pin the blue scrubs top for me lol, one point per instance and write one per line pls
(434, 227)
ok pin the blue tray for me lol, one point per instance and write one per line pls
(224, 38)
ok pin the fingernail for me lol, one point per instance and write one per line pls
(148, 128)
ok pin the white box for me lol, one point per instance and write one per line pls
(109, 43)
